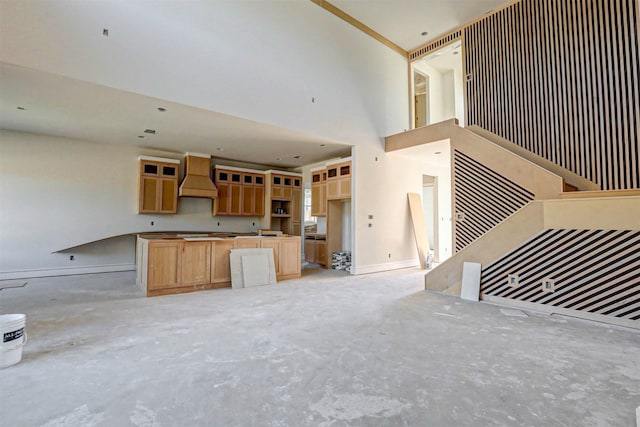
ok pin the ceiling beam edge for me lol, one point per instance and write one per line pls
(359, 25)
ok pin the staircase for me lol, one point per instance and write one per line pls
(547, 239)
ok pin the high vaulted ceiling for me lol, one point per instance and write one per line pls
(92, 112)
(404, 21)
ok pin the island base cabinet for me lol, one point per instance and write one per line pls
(177, 266)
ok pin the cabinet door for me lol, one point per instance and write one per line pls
(248, 200)
(235, 193)
(323, 200)
(296, 205)
(223, 199)
(168, 197)
(148, 194)
(315, 200)
(196, 263)
(258, 201)
(296, 229)
(321, 252)
(220, 264)
(164, 265)
(333, 189)
(289, 252)
(275, 245)
(310, 250)
(345, 188)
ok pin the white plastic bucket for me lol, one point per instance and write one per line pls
(12, 338)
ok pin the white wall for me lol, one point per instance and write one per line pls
(56, 193)
(204, 54)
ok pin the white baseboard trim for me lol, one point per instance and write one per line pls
(551, 310)
(387, 266)
(69, 271)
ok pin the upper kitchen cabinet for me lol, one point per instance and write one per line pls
(283, 202)
(241, 192)
(319, 192)
(339, 180)
(157, 185)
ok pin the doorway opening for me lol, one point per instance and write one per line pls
(438, 86)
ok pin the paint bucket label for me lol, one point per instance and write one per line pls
(14, 335)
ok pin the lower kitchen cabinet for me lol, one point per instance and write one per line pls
(164, 262)
(315, 249)
(196, 263)
(169, 265)
(220, 265)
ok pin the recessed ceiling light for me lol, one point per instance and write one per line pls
(424, 33)
(219, 149)
(162, 109)
(22, 108)
(438, 152)
(151, 131)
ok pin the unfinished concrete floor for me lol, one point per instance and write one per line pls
(324, 350)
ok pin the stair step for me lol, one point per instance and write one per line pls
(601, 193)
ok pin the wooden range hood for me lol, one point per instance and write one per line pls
(197, 182)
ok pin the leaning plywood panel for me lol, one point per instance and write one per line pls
(419, 227)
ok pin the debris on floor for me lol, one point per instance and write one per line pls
(513, 313)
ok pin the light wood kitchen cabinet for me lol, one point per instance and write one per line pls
(310, 250)
(281, 187)
(321, 252)
(286, 253)
(220, 266)
(157, 185)
(319, 193)
(240, 193)
(289, 258)
(339, 181)
(196, 263)
(315, 249)
(164, 263)
(284, 203)
(167, 264)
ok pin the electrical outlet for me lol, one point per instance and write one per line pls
(71, 257)
(513, 280)
(370, 216)
(548, 285)
(370, 225)
(389, 255)
(152, 223)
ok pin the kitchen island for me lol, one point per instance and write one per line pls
(177, 263)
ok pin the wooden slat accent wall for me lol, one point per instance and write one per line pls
(483, 199)
(561, 78)
(594, 271)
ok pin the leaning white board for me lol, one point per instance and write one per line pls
(471, 272)
(252, 267)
